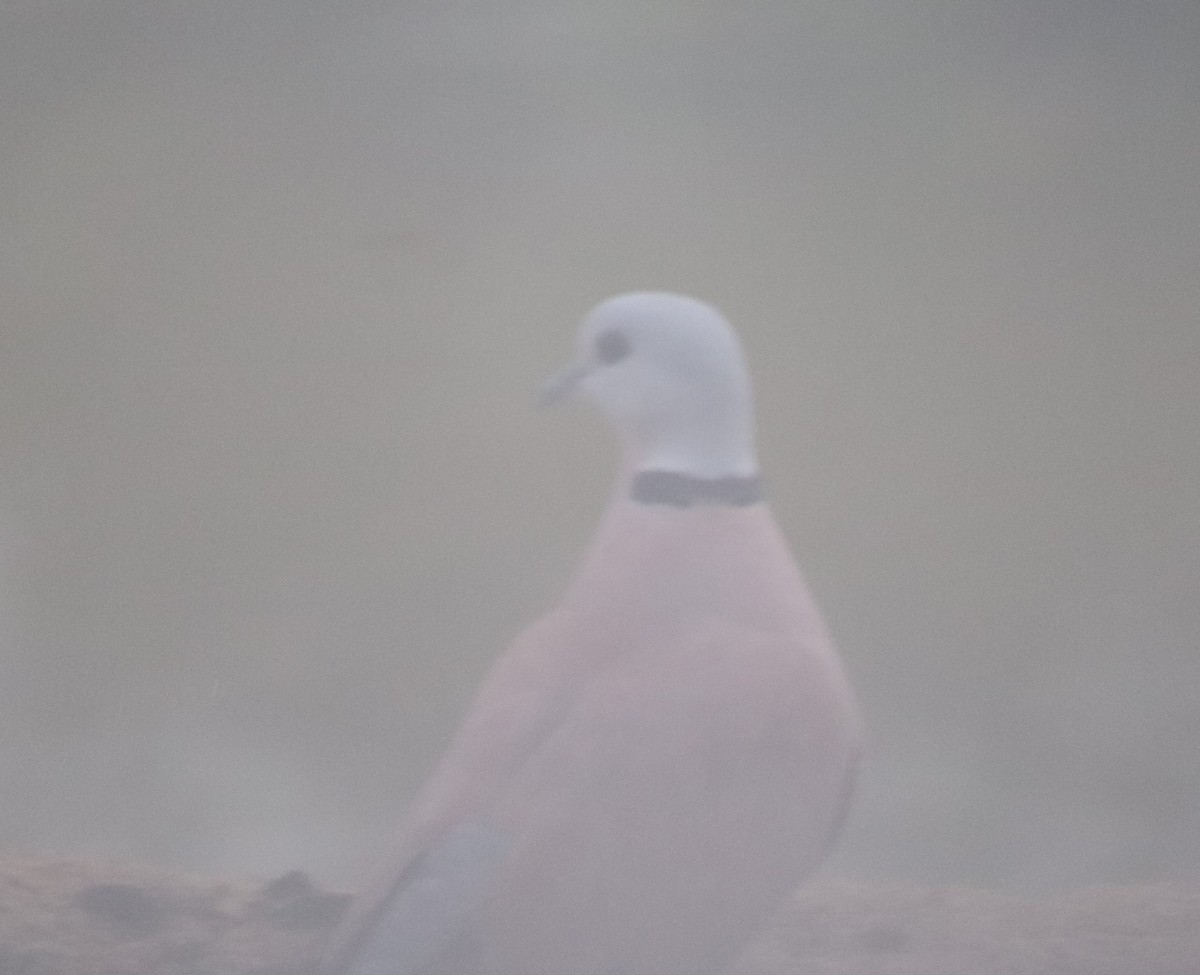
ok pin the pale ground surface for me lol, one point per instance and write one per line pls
(72, 918)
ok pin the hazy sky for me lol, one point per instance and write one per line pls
(278, 281)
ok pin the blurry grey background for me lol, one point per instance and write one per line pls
(278, 281)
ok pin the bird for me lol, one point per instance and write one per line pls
(653, 766)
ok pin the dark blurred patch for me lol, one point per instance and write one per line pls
(137, 911)
(291, 901)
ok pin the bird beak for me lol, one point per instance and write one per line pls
(562, 386)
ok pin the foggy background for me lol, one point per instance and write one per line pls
(278, 281)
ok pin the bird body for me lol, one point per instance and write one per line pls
(650, 767)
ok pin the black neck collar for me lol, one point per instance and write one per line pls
(683, 491)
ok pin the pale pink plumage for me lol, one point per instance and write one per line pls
(652, 766)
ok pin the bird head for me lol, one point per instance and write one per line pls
(669, 372)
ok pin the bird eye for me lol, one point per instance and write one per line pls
(611, 346)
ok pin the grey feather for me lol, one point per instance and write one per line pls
(433, 904)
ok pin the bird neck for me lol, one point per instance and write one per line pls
(715, 467)
(714, 441)
(678, 490)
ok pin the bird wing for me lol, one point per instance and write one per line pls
(651, 827)
(520, 700)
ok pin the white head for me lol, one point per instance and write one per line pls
(669, 371)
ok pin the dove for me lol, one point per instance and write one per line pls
(653, 766)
